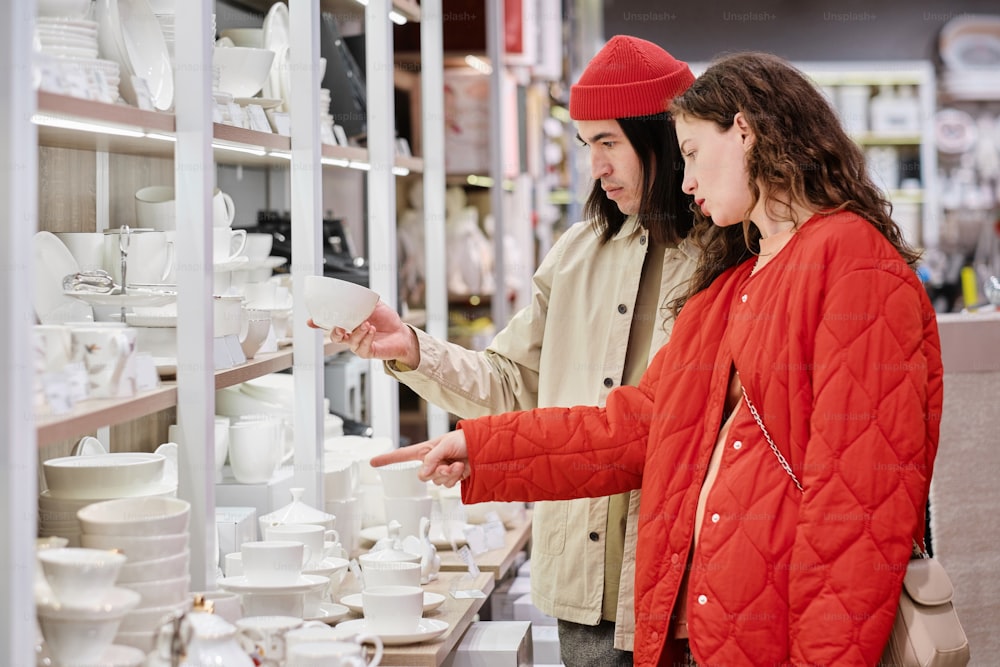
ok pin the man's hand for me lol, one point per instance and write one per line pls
(445, 459)
(382, 336)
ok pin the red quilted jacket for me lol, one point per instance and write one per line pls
(836, 344)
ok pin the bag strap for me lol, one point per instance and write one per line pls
(767, 436)
(918, 551)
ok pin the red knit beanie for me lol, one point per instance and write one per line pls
(628, 77)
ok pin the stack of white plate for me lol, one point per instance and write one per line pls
(325, 117)
(165, 16)
(75, 482)
(68, 51)
(153, 534)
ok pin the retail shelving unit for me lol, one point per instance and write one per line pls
(189, 141)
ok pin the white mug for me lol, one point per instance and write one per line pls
(392, 610)
(314, 537)
(223, 209)
(256, 448)
(149, 255)
(87, 248)
(273, 563)
(408, 511)
(227, 244)
(108, 354)
(391, 573)
(155, 208)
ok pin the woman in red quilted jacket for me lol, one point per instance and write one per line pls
(806, 319)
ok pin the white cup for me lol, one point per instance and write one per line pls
(227, 244)
(149, 255)
(314, 537)
(281, 603)
(232, 564)
(225, 605)
(256, 448)
(408, 512)
(340, 477)
(274, 562)
(155, 208)
(400, 480)
(392, 610)
(87, 248)
(325, 653)
(107, 351)
(265, 635)
(259, 246)
(223, 209)
(391, 573)
(348, 513)
(254, 326)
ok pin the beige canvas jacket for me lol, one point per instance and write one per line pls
(567, 347)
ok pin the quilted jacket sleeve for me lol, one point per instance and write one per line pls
(866, 467)
(562, 453)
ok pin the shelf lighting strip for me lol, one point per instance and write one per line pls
(83, 126)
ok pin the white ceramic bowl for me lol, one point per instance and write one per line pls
(242, 69)
(162, 593)
(79, 635)
(135, 516)
(143, 548)
(67, 9)
(252, 37)
(102, 475)
(169, 567)
(79, 576)
(332, 302)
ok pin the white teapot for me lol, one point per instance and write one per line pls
(213, 642)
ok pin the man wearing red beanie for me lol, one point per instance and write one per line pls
(598, 313)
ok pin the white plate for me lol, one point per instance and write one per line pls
(431, 602)
(429, 628)
(135, 297)
(53, 501)
(241, 585)
(231, 265)
(130, 34)
(53, 262)
(165, 366)
(330, 612)
(151, 321)
(266, 263)
(276, 39)
(89, 446)
(373, 534)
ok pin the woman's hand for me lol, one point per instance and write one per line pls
(446, 459)
(382, 336)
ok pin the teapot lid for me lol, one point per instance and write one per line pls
(390, 548)
(297, 512)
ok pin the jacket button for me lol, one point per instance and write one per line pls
(655, 636)
(622, 308)
(608, 382)
(702, 599)
(715, 518)
(743, 298)
(674, 558)
(642, 240)
(594, 536)
(737, 444)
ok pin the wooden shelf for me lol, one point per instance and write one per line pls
(414, 164)
(458, 613)
(92, 414)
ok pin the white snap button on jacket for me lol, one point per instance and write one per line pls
(702, 599)
(737, 444)
(743, 298)
(715, 518)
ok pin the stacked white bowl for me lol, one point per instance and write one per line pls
(153, 533)
(68, 59)
(82, 609)
(77, 481)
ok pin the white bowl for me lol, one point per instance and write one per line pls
(102, 475)
(252, 37)
(135, 516)
(169, 567)
(79, 576)
(161, 593)
(68, 9)
(79, 635)
(332, 302)
(242, 69)
(150, 547)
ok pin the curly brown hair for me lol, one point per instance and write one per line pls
(800, 155)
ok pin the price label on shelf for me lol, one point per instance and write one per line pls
(282, 123)
(258, 119)
(143, 98)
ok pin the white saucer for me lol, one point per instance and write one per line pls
(431, 602)
(263, 102)
(135, 297)
(373, 534)
(233, 264)
(241, 585)
(330, 612)
(429, 628)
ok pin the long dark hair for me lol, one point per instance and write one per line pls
(800, 151)
(665, 211)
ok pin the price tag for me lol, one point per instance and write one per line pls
(496, 534)
(237, 116)
(258, 119)
(143, 98)
(465, 555)
(465, 587)
(476, 539)
(282, 123)
(146, 377)
(341, 136)
(219, 113)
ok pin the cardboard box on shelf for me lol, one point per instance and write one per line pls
(525, 610)
(503, 596)
(494, 644)
(264, 498)
(236, 525)
(545, 644)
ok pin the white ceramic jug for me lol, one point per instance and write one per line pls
(213, 642)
